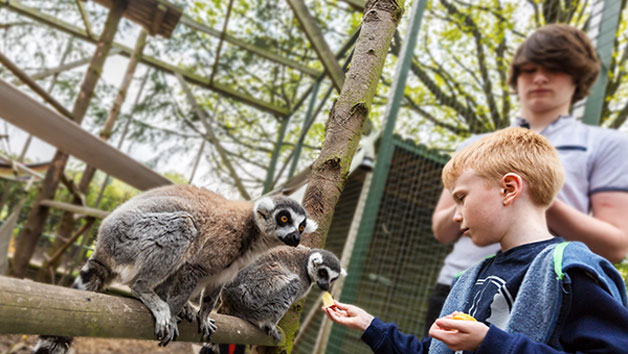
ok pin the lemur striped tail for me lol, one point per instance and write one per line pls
(94, 276)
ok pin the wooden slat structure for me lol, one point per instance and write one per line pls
(157, 16)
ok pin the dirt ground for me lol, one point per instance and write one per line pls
(22, 344)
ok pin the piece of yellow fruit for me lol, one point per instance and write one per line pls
(327, 299)
(463, 316)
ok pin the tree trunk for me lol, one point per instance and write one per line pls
(27, 239)
(68, 222)
(343, 132)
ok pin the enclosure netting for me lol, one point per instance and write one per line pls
(402, 257)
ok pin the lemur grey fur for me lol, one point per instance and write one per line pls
(263, 291)
(170, 242)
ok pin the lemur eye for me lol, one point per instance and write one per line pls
(301, 228)
(283, 217)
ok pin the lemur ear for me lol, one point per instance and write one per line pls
(264, 206)
(343, 272)
(317, 258)
(310, 226)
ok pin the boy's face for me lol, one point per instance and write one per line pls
(542, 90)
(479, 208)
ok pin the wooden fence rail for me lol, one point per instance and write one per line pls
(28, 307)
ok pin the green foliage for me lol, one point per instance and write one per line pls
(622, 267)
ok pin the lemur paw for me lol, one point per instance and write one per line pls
(275, 333)
(207, 326)
(166, 331)
(188, 312)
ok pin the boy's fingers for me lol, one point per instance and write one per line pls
(455, 325)
(448, 324)
(340, 305)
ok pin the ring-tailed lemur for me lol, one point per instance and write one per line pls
(263, 291)
(169, 242)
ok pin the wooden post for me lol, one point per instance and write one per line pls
(27, 240)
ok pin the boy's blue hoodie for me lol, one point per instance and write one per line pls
(570, 300)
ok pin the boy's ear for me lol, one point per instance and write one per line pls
(512, 186)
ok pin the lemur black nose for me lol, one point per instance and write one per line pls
(323, 285)
(292, 239)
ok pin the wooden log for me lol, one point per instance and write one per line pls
(28, 307)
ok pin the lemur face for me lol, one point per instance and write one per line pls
(324, 268)
(283, 218)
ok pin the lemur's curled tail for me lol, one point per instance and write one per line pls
(94, 276)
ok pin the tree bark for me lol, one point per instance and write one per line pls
(27, 239)
(343, 131)
(28, 307)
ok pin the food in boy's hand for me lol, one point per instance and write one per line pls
(457, 315)
(328, 301)
(462, 316)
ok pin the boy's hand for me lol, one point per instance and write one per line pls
(349, 315)
(457, 334)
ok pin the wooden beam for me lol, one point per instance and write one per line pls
(158, 19)
(22, 167)
(154, 62)
(76, 209)
(220, 41)
(217, 87)
(187, 21)
(64, 67)
(28, 307)
(34, 86)
(88, 25)
(31, 116)
(313, 32)
(143, 12)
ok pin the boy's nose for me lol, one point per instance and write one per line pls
(540, 76)
(457, 217)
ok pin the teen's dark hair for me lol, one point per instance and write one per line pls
(563, 48)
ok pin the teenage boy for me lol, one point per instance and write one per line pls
(538, 294)
(552, 69)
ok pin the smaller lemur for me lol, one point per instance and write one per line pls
(170, 242)
(263, 291)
